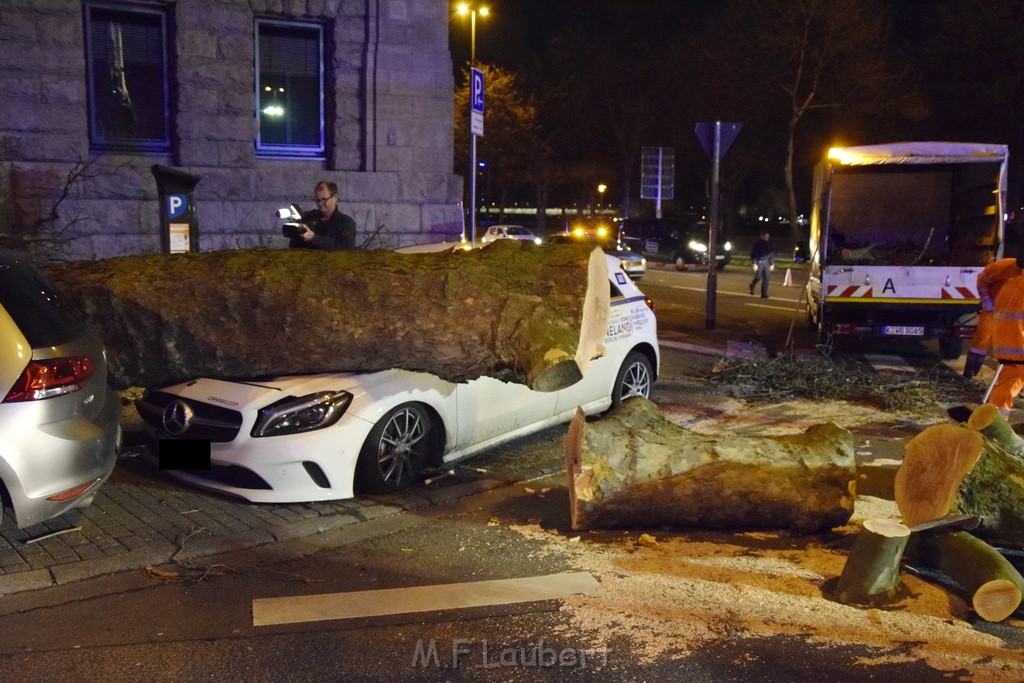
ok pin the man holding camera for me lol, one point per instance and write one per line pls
(325, 227)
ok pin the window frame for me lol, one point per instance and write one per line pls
(97, 140)
(278, 150)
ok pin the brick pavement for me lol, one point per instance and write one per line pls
(142, 517)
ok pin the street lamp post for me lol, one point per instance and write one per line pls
(600, 194)
(471, 10)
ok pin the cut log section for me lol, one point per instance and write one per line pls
(510, 311)
(987, 419)
(871, 575)
(992, 583)
(934, 465)
(635, 468)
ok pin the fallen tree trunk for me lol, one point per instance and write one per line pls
(871, 575)
(949, 469)
(994, 488)
(635, 468)
(510, 311)
(994, 586)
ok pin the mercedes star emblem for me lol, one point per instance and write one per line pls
(177, 418)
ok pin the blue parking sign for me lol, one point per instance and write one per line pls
(176, 205)
(477, 90)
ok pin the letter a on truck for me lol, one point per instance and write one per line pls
(899, 233)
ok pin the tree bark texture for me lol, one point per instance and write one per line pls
(511, 311)
(871, 575)
(634, 468)
(994, 488)
(992, 583)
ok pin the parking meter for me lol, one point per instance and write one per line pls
(179, 229)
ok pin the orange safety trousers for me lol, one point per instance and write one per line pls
(1008, 385)
(982, 337)
(1008, 343)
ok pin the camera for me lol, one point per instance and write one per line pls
(292, 230)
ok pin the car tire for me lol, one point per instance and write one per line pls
(720, 266)
(396, 450)
(635, 378)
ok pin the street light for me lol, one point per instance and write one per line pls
(472, 10)
(600, 194)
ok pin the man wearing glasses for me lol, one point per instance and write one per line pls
(326, 228)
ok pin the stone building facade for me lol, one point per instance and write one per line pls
(94, 93)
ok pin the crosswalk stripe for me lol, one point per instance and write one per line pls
(303, 608)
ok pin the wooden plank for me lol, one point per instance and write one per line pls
(388, 601)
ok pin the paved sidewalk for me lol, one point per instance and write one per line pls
(142, 517)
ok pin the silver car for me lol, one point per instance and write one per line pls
(59, 419)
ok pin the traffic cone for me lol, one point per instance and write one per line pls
(789, 278)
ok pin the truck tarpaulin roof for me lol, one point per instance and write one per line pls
(917, 153)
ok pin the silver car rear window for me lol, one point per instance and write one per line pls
(33, 305)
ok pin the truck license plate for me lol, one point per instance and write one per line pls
(904, 330)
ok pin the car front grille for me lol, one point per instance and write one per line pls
(207, 422)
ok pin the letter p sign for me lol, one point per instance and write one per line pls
(477, 90)
(176, 205)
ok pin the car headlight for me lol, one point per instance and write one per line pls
(536, 240)
(728, 246)
(293, 415)
(697, 246)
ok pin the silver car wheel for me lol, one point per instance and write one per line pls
(402, 445)
(635, 378)
(396, 450)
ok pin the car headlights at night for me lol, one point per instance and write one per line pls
(537, 240)
(293, 415)
(697, 246)
(728, 246)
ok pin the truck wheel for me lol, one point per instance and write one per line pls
(950, 349)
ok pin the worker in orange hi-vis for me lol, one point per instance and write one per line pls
(1008, 344)
(990, 281)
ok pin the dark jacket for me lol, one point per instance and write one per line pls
(335, 233)
(763, 253)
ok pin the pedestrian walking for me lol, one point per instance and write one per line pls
(762, 260)
(990, 280)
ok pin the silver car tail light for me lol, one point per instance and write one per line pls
(52, 377)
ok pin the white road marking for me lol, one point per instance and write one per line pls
(303, 608)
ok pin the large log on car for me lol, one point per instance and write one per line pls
(635, 468)
(511, 311)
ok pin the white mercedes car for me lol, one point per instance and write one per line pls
(326, 436)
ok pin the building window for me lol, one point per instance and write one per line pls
(128, 78)
(289, 88)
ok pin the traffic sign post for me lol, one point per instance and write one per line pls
(657, 175)
(476, 128)
(715, 138)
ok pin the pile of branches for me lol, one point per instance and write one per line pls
(788, 377)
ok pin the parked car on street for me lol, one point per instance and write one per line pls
(324, 436)
(672, 241)
(60, 422)
(509, 232)
(632, 263)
